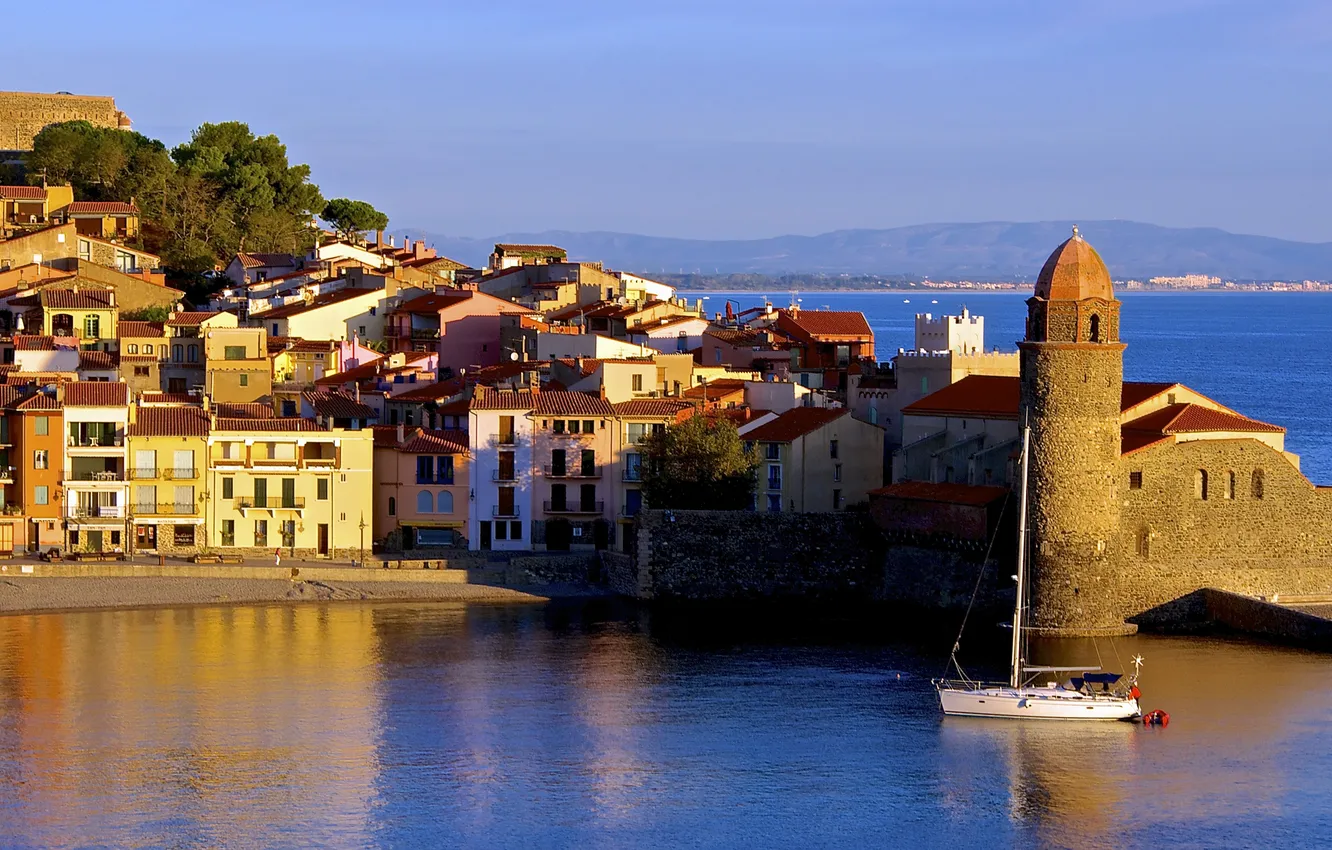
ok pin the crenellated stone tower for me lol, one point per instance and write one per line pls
(1072, 366)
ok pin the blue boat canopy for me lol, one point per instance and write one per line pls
(1101, 678)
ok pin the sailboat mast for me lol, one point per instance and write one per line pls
(1015, 674)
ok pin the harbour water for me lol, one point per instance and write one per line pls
(355, 725)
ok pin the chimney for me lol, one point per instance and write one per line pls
(402, 433)
(379, 238)
(601, 389)
(406, 244)
(207, 404)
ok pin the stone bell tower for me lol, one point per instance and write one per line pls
(1072, 366)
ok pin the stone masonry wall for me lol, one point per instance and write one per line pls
(24, 114)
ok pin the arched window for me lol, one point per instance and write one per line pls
(425, 503)
(1257, 484)
(1200, 485)
(1230, 484)
(1095, 328)
(444, 502)
(873, 415)
(147, 348)
(393, 506)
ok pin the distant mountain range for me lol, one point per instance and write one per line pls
(990, 251)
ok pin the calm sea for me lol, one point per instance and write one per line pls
(1267, 355)
(362, 725)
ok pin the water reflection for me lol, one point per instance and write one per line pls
(403, 725)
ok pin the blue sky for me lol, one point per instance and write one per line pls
(741, 119)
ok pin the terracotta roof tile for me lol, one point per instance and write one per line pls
(429, 392)
(955, 494)
(488, 399)
(44, 343)
(338, 406)
(191, 318)
(435, 301)
(714, 389)
(653, 408)
(319, 301)
(254, 260)
(96, 394)
(829, 322)
(379, 366)
(83, 299)
(40, 401)
(102, 208)
(168, 422)
(520, 250)
(428, 441)
(1135, 393)
(246, 410)
(1191, 418)
(98, 360)
(286, 423)
(1074, 271)
(795, 423)
(151, 397)
(22, 193)
(135, 330)
(566, 403)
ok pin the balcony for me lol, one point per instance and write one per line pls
(92, 442)
(632, 475)
(507, 476)
(572, 471)
(167, 474)
(246, 503)
(507, 440)
(100, 476)
(7, 474)
(166, 509)
(395, 332)
(512, 512)
(323, 462)
(99, 511)
(574, 507)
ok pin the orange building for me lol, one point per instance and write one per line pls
(33, 455)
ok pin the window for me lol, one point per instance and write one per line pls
(177, 353)
(772, 451)
(718, 352)
(40, 495)
(515, 531)
(142, 372)
(91, 327)
(1256, 484)
(147, 348)
(874, 416)
(372, 312)
(261, 532)
(1230, 485)
(837, 472)
(1135, 480)
(588, 426)
(42, 426)
(228, 532)
(573, 426)
(774, 503)
(924, 384)
(444, 502)
(40, 459)
(1170, 398)
(233, 352)
(288, 528)
(506, 435)
(184, 534)
(1200, 484)
(636, 432)
(228, 488)
(321, 490)
(175, 385)
(275, 329)
(501, 531)
(425, 468)
(425, 502)
(445, 469)
(638, 383)
(557, 426)
(1095, 335)
(837, 500)
(85, 250)
(774, 477)
(393, 506)
(362, 330)
(832, 445)
(131, 349)
(194, 353)
(244, 379)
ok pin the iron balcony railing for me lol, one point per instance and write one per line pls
(99, 475)
(165, 509)
(557, 507)
(632, 474)
(553, 471)
(7, 473)
(505, 513)
(95, 442)
(144, 473)
(444, 479)
(100, 511)
(290, 503)
(502, 475)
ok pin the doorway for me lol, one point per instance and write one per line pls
(323, 540)
(94, 541)
(145, 537)
(485, 534)
(34, 536)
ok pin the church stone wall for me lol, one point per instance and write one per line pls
(24, 114)
(1071, 393)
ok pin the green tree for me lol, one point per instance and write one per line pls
(351, 218)
(699, 464)
(159, 313)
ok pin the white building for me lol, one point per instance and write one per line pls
(553, 346)
(96, 486)
(964, 334)
(500, 433)
(672, 334)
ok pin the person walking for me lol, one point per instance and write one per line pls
(277, 557)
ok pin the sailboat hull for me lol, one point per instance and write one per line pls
(1035, 704)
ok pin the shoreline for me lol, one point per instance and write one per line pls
(24, 595)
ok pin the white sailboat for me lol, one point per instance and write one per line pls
(1039, 693)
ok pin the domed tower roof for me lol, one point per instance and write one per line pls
(1074, 272)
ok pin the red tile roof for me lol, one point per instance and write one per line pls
(22, 193)
(136, 330)
(955, 494)
(1191, 418)
(317, 302)
(338, 406)
(40, 401)
(152, 397)
(168, 422)
(776, 338)
(98, 360)
(378, 366)
(286, 423)
(795, 423)
(651, 408)
(429, 392)
(191, 318)
(566, 403)
(83, 299)
(818, 323)
(488, 399)
(254, 261)
(1135, 393)
(517, 249)
(96, 394)
(715, 389)
(998, 396)
(428, 441)
(44, 343)
(245, 410)
(436, 264)
(102, 208)
(435, 301)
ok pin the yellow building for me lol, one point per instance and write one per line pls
(304, 486)
(32, 207)
(90, 315)
(237, 368)
(114, 220)
(168, 446)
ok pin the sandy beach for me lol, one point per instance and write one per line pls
(20, 594)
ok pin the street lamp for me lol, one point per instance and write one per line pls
(361, 563)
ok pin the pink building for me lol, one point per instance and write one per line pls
(463, 325)
(572, 458)
(422, 485)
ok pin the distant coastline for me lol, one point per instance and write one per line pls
(1014, 290)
